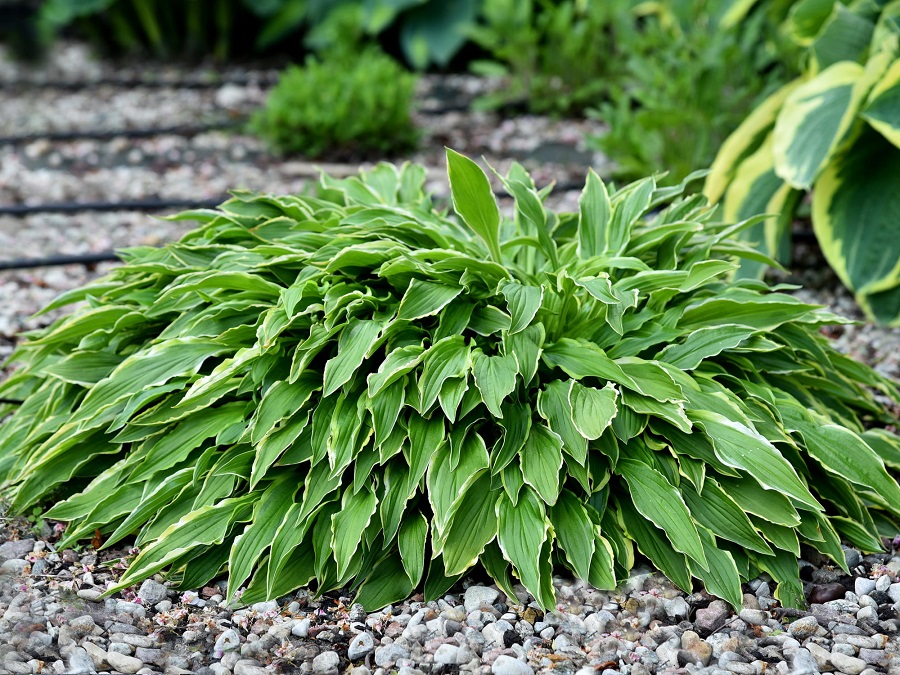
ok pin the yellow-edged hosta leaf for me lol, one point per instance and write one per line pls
(813, 121)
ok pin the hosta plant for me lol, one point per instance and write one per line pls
(834, 131)
(360, 390)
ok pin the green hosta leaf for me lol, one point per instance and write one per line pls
(425, 298)
(862, 250)
(208, 525)
(399, 362)
(268, 514)
(741, 447)
(526, 347)
(594, 217)
(472, 526)
(448, 358)
(523, 531)
(722, 577)
(844, 453)
(356, 340)
(411, 543)
(813, 121)
(654, 544)
(575, 531)
(659, 502)
(523, 302)
(495, 377)
(554, 406)
(541, 457)
(592, 409)
(516, 424)
(718, 512)
(348, 525)
(703, 343)
(386, 584)
(881, 109)
(474, 201)
(602, 572)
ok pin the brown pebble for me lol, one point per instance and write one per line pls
(531, 615)
(823, 593)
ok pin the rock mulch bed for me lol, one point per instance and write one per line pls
(52, 618)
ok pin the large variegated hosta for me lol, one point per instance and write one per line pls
(358, 389)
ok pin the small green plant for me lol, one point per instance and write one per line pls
(554, 57)
(834, 131)
(685, 83)
(356, 389)
(342, 105)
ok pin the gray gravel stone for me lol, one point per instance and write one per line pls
(754, 617)
(848, 664)
(301, 628)
(863, 586)
(712, 618)
(325, 663)
(390, 654)
(447, 654)
(803, 628)
(152, 592)
(476, 596)
(82, 625)
(123, 662)
(78, 661)
(359, 646)
(507, 665)
(228, 640)
(802, 661)
(18, 548)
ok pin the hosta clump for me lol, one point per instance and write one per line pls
(356, 389)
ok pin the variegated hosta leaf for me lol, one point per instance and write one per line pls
(355, 390)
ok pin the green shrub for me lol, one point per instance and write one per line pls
(834, 131)
(345, 105)
(684, 83)
(356, 389)
(555, 57)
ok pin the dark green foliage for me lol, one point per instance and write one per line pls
(343, 105)
(357, 390)
(684, 83)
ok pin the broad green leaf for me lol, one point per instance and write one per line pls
(554, 407)
(523, 302)
(861, 250)
(743, 448)
(474, 201)
(541, 458)
(206, 526)
(592, 409)
(721, 578)
(593, 217)
(653, 543)
(523, 531)
(702, 344)
(495, 377)
(472, 526)
(448, 358)
(516, 424)
(812, 122)
(882, 108)
(348, 525)
(718, 512)
(386, 584)
(411, 543)
(268, 514)
(659, 502)
(355, 342)
(575, 532)
(425, 298)
(399, 362)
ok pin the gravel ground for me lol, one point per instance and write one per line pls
(51, 618)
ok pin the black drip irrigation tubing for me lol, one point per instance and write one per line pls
(105, 135)
(20, 210)
(86, 259)
(135, 82)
